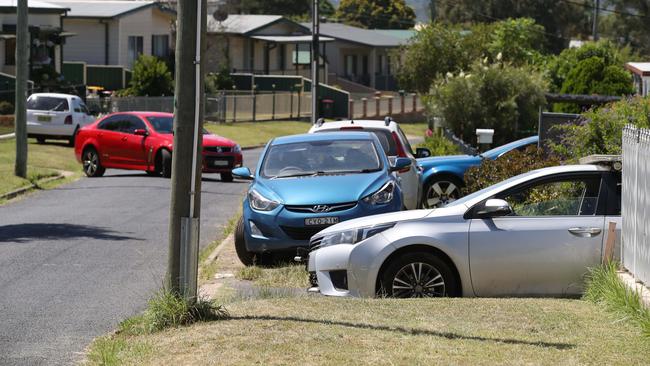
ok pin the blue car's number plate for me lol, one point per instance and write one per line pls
(319, 221)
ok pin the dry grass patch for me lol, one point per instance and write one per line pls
(286, 275)
(318, 330)
(257, 133)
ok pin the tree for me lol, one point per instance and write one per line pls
(561, 19)
(440, 48)
(289, 8)
(376, 14)
(560, 66)
(498, 96)
(629, 24)
(151, 77)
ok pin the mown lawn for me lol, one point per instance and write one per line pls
(319, 330)
(6, 129)
(43, 160)
(259, 133)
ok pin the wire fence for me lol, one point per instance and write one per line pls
(636, 202)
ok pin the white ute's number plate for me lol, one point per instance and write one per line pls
(319, 221)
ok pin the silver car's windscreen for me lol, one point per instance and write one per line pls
(321, 157)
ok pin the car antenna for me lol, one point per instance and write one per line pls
(387, 120)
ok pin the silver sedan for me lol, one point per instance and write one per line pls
(531, 235)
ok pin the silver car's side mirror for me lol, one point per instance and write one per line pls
(493, 208)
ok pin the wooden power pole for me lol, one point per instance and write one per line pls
(22, 71)
(315, 55)
(186, 158)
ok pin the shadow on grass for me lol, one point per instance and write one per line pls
(407, 331)
(22, 233)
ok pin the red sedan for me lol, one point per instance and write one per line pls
(143, 141)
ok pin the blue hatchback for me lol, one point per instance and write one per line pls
(305, 183)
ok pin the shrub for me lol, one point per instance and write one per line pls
(509, 165)
(439, 145)
(6, 107)
(221, 80)
(600, 130)
(151, 77)
(594, 76)
(498, 96)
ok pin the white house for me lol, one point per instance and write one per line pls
(46, 35)
(115, 32)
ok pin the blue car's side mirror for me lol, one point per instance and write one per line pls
(243, 173)
(400, 163)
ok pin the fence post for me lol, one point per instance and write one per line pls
(291, 103)
(377, 107)
(401, 103)
(254, 102)
(351, 109)
(299, 101)
(414, 96)
(364, 103)
(273, 107)
(390, 105)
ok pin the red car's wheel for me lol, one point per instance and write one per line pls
(91, 164)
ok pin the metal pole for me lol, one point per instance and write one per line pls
(22, 71)
(314, 62)
(595, 23)
(273, 107)
(186, 169)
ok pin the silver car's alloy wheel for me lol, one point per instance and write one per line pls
(440, 193)
(91, 163)
(418, 280)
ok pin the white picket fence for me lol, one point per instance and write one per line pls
(636, 202)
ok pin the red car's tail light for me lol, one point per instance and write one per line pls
(401, 153)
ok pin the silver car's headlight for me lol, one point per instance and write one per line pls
(261, 203)
(383, 195)
(354, 236)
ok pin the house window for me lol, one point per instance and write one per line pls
(10, 51)
(160, 45)
(135, 48)
(380, 65)
(351, 65)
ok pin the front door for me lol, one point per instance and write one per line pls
(133, 149)
(545, 247)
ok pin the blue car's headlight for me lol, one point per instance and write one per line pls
(383, 195)
(354, 236)
(261, 203)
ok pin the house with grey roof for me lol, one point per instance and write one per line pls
(363, 56)
(115, 32)
(272, 44)
(46, 36)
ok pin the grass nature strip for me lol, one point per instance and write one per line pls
(605, 288)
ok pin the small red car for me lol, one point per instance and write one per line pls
(143, 141)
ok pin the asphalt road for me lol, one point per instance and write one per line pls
(76, 260)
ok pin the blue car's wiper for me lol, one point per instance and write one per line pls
(310, 174)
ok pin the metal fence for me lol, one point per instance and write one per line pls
(222, 107)
(636, 202)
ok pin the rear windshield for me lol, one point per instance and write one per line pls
(384, 136)
(42, 103)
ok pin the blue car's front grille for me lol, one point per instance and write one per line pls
(301, 233)
(321, 208)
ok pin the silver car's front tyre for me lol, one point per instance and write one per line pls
(418, 274)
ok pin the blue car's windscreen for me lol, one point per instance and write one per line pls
(321, 157)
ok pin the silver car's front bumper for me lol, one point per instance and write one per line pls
(361, 262)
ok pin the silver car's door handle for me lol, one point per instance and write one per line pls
(585, 232)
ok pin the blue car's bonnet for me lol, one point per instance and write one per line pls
(325, 189)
